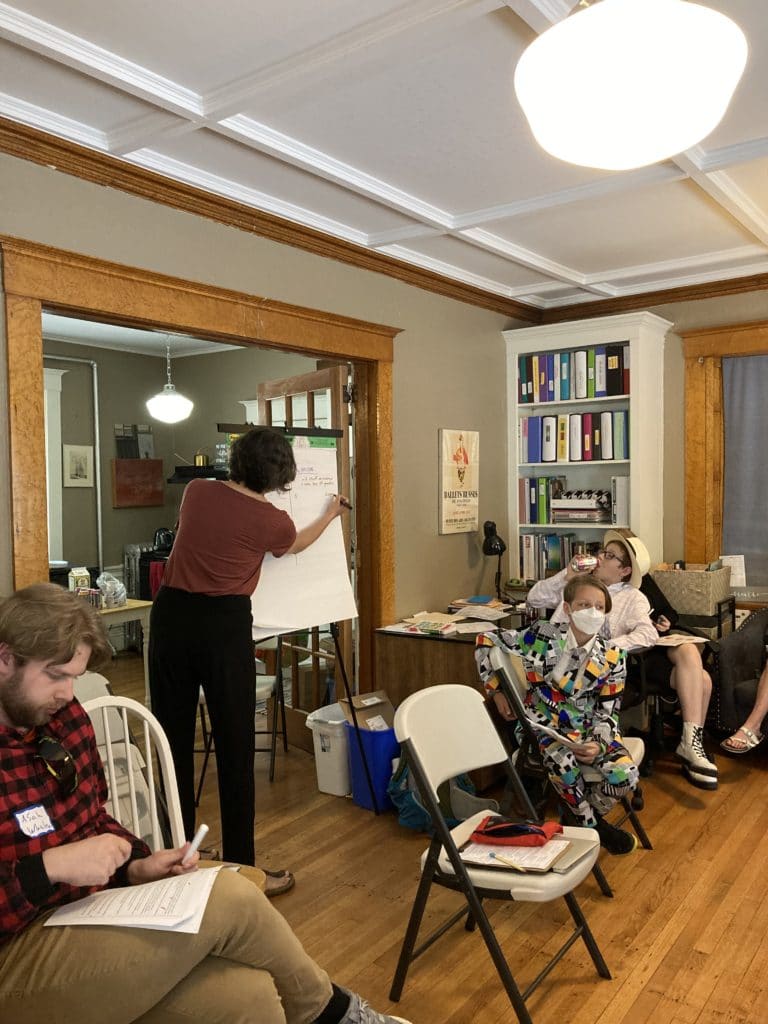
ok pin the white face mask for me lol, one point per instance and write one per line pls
(588, 620)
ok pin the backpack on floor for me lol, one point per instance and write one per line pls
(456, 797)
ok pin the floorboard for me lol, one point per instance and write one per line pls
(686, 936)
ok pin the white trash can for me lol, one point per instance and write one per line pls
(330, 740)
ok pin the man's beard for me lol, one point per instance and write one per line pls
(21, 711)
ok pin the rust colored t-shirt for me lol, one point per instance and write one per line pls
(222, 538)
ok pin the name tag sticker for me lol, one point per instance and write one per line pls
(34, 821)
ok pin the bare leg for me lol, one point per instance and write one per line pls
(692, 684)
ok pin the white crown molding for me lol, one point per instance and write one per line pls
(727, 194)
(524, 257)
(144, 132)
(447, 270)
(729, 156)
(56, 124)
(360, 41)
(180, 171)
(291, 151)
(658, 174)
(711, 262)
(378, 239)
(541, 14)
(52, 42)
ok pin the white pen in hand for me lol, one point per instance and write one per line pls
(194, 846)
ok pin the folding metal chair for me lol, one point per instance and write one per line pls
(445, 731)
(510, 672)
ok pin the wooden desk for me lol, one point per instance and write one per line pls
(407, 662)
(133, 611)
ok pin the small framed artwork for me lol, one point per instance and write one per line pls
(459, 463)
(77, 465)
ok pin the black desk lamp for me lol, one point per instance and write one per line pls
(494, 545)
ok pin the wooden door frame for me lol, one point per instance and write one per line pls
(37, 276)
(703, 351)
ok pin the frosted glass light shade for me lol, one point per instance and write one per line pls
(169, 406)
(626, 83)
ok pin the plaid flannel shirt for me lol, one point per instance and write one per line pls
(26, 783)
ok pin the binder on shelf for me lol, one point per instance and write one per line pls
(543, 391)
(586, 436)
(580, 374)
(590, 373)
(614, 369)
(601, 385)
(597, 444)
(625, 367)
(551, 376)
(562, 437)
(536, 396)
(542, 505)
(565, 376)
(522, 499)
(533, 500)
(620, 500)
(524, 440)
(549, 438)
(620, 434)
(574, 428)
(522, 380)
(534, 439)
(606, 434)
(529, 377)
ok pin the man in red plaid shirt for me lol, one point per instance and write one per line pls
(57, 844)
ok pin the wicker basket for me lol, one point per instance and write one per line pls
(691, 592)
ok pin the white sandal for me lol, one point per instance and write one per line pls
(745, 745)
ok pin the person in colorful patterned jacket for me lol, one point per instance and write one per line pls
(58, 844)
(576, 679)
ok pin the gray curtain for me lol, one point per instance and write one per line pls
(745, 498)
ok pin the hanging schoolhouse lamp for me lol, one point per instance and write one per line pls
(168, 405)
(626, 83)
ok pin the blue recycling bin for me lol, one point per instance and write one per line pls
(380, 748)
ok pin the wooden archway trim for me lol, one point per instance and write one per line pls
(703, 351)
(37, 276)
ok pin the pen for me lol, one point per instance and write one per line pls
(199, 836)
(509, 863)
(342, 501)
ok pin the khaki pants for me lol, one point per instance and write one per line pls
(245, 966)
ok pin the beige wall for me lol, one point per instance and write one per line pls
(449, 357)
(449, 360)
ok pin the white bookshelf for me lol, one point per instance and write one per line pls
(645, 334)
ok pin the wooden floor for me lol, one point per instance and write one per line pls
(686, 936)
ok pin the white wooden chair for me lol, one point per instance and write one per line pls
(143, 795)
(445, 731)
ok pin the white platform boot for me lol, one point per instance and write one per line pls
(698, 767)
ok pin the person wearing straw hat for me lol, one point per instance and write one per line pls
(623, 564)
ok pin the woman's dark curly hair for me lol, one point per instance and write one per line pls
(263, 461)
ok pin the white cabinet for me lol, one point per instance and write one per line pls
(641, 336)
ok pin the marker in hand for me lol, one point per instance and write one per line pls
(342, 501)
(194, 846)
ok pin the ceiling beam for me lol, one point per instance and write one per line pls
(541, 14)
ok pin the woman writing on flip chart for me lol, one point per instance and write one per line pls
(201, 628)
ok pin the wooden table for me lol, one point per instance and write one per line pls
(133, 611)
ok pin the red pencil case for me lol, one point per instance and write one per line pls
(499, 831)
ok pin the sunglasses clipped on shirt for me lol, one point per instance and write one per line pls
(59, 762)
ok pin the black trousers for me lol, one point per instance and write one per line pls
(195, 641)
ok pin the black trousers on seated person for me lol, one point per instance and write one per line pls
(196, 640)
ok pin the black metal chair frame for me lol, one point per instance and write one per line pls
(529, 751)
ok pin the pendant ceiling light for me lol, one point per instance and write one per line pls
(168, 405)
(626, 83)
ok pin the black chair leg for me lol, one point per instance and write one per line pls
(640, 832)
(414, 923)
(587, 936)
(602, 881)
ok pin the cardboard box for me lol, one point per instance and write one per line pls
(79, 578)
(374, 710)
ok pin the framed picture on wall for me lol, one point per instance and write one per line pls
(459, 480)
(77, 465)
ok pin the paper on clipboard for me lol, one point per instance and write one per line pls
(557, 736)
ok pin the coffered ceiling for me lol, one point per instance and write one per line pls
(393, 125)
